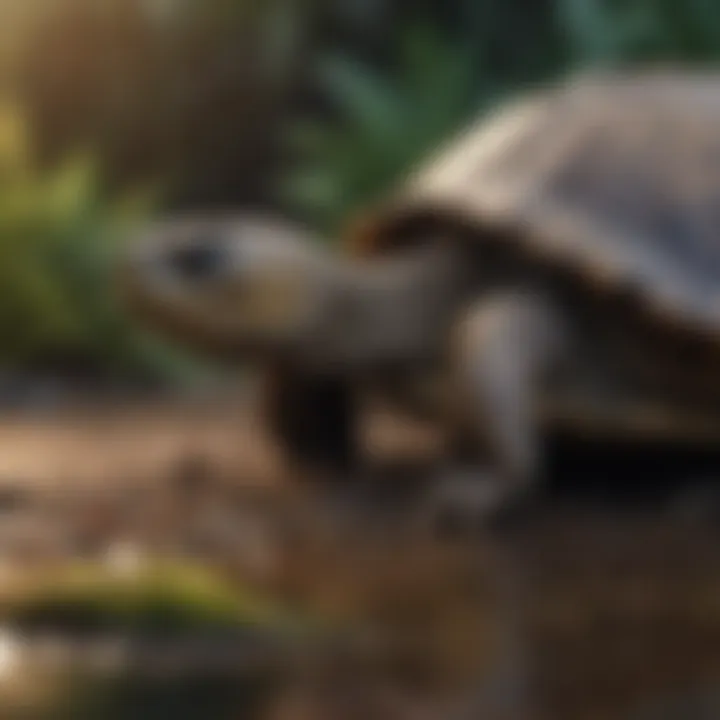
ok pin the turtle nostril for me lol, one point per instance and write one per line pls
(195, 262)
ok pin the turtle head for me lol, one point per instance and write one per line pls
(234, 286)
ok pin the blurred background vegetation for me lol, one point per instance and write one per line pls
(111, 110)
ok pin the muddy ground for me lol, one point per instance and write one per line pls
(609, 605)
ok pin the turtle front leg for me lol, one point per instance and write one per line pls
(502, 352)
(314, 421)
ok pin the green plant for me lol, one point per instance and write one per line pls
(58, 237)
(383, 123)
(384, 120)
(619, 33)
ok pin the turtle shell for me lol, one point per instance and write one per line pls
(616, 178)
(613, 179)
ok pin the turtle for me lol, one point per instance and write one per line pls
(554, 266)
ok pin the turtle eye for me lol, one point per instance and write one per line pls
(197, 261)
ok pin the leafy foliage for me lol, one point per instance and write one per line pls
(384, 122)
(451, 64)
(58, 236)
(631, 31)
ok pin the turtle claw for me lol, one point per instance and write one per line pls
(464, 503)
(467, 503)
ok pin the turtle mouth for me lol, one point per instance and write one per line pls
(162, 308)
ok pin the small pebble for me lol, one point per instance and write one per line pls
(124, 558)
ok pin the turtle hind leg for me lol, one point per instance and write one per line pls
(502, 352)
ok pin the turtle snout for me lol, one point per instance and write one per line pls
(198, 261)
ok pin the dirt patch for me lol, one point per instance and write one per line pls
(592, 612)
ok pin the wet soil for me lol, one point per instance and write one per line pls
(613, 576)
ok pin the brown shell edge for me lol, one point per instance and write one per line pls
(374, 233)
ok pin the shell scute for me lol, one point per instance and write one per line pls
(617, 177)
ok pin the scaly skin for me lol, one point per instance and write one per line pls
(330, 327)
(323, 325)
